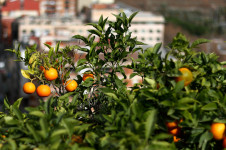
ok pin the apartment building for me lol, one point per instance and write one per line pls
(50, 30)
(58, 8)
(17, 8)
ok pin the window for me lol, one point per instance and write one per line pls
(150, 38)
(24, 31)
(158, 39)
(142, 38)
(158, 31)
(150, 31)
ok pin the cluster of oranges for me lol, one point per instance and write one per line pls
(174, 129)
(50, 75)
(218, 131)
(42, 90)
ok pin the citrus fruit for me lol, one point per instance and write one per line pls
(85, 76)
(76, 139)
(43, 90)
(224, 142)
(29, 88)
(175, 131)
(176, 139)
(218, 129)
(51, 74)
(71, 85)
(186, 76)
(171, 125)
(42, 68)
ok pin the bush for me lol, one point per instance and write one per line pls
(103, 113)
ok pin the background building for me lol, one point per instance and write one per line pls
(58, 7)
(17, 8)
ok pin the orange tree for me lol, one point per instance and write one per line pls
(102, 113)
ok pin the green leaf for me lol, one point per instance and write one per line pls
(179, 86)
(109, 92)
(68, 124)
(109, 119)
(133, 75)
(47, 106)
(140, 43)
(50, 52)
(157, 48)
(205, 137)
(132, 16)
(166, 103)
(91, 138)
(37, 113)
(44, 127)
(81, 38)
(13, 144)
(10, 120)
(33, 58)
(198, 42)
(98, 27)
(47, 45)
(96, 32)
(18, 102)
(151, 82)
(183, 107)
(58, 132)
(25, 74)
(100, 22)
(33, 132)
(17, 112)
(150, 123)
(57, 47)
(65, 96)
(186, 100)
(81, 61)
(6, 103)
(210, 106)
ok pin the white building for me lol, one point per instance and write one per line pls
(147, 27)
(50, 30)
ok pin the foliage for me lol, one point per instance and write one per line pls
(103, 113)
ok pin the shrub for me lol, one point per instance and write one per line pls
(103, 113)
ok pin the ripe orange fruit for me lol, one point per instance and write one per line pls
(42, 68)
(71, 85)
(176, 139)
(224, 142)
(85, 76)
(186, 76)
(43, 90)
(51, 74)
(76, 139)
(29, 88)
(218, 129)
(171, 125)
(175, 131)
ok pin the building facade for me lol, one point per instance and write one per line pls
(58, 8)
(17, 8)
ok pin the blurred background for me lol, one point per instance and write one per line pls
(31, 22)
